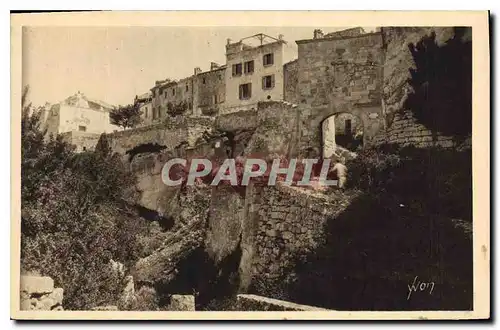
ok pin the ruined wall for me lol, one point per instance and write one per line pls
(401, 126)
(81, 140)
(38, 293)
(290, 77)
(209, 92)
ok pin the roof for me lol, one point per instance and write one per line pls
(82, 101)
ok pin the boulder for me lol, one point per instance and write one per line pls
(37, 284)
(179, 302)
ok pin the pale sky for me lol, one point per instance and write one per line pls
(113, 64)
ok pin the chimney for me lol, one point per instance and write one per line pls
(318, 34)
(280, 37)
(197, 70)
(213, 66)
(228, 41)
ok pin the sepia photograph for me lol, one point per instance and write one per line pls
(286, 167)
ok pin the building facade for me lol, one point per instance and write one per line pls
(144, 102)
(209, 90)
(254, 72)
(172, 98)
(81, 114)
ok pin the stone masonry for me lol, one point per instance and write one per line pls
(290, 222)
(401, 127)
(38, 293)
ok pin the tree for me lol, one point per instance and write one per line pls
(126, 116)
(442, 84)
(73, 216)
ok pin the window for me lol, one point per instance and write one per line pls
(82, 128)
(348, 126)
(187, 88)
(204, 81)
(268, 82)
(237, 69)
(215, 99)
(245, 91)
(146, 112)
(173, 91)
(248, 67)
(268, 59)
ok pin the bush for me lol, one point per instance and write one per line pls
(433, 180)
(73, 218)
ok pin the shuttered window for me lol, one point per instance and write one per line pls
(245, 91)
(268, 82)
(237, 69)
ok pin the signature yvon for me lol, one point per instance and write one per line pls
(419, 286)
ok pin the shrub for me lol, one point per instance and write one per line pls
(73, 218)
(435, 180)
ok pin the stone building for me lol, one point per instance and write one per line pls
(81, 114)
(254, 71)
(209, 90)
(172, 98)
(144, 101)
(340, 72)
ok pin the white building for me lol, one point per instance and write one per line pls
(78, 113)
(254, 72)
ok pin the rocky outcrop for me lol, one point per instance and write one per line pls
(38, 293)
(180, 302)
(187, 235)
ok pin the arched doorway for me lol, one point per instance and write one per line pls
(343, 130)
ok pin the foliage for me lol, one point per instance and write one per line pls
(442, 84)
(126, 116)
(73, 218)
(175, 109)
(433, 180)
(146, 299)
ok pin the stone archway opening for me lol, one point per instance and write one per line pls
(341, 131)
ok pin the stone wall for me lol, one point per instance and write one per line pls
(401, 126)
(209, 92)
(290, 77)
(282, 225)
(312, 118)
(237, 121)
(277, 129)
(340, 71)
(251, 302)
(81, 140)
(170, 134)
(154, 194)
(38, 293)
(339, 75)
(405, 130)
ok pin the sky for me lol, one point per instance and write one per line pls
(113, 64)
